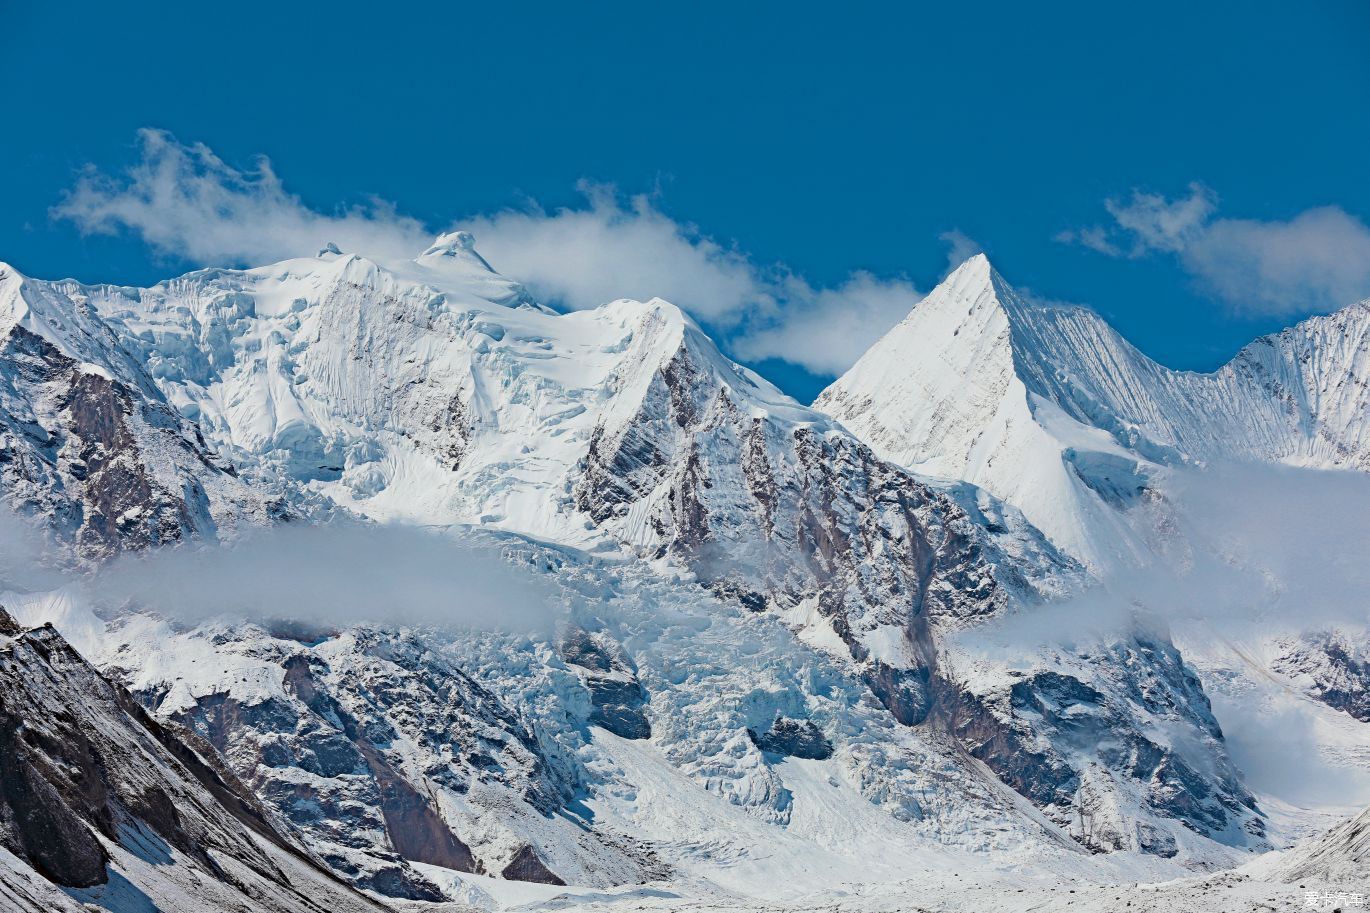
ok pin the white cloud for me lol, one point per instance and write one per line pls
(1317, 261)
(183, 200)
(582, 258)
(1156, 223)
(329, 575)
(614, 248)
(961, 248)
(826, 330)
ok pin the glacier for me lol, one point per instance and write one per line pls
(783, 662)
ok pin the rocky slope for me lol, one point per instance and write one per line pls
(435, 391)
(88, 441)
(379, 749)
(107, 806)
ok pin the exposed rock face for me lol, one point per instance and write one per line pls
(381, 752)
(526, 866)
(91, 445)
(1034, 731)
(616, 694)
(793, 738)
(1331, 666)
(87, 778)
(778, 509)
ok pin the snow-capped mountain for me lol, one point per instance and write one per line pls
(433, 391)
(1048, 408)
(768, 621)
(88, 441)
(103, 807)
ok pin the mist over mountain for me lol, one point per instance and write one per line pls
(475, 601)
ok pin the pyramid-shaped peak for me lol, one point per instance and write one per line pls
(975, 274)
(977, 264)
(974, 282)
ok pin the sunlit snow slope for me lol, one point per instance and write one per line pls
(1047, 407)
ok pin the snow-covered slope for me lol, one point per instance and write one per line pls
(1339, 857)
(101, 805)
(1050, 409)
(428, 390)
(618, 449)
(433, 391)
(88, 442)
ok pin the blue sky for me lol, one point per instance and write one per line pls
(794, 174)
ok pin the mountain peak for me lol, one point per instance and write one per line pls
(449, 243)
(455, 245)
(974, 276)
(976, 265)
(967, 289)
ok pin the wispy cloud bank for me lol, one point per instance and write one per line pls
(1317, 261)
(185, 201)
(614, 247)
(25, 554)
(827, 330)
(334, 575)
(1220, 561)
(330, 576)
(960, 248)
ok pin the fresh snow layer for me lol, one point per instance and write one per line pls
(1048, 408)
(436, 392)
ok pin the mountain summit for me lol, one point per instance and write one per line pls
(1047, 407)
(774, 620)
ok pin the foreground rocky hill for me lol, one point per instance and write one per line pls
(100, 803)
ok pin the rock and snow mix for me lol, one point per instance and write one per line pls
(794, 656)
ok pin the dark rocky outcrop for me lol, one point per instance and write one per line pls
(526, 866)
(794, 739)
(84, 768)
(366, 808)
(1032, 735)
(107, 463)
(617, 697)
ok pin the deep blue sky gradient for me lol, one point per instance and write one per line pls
(830, 137)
